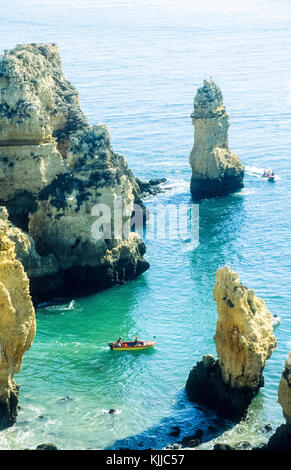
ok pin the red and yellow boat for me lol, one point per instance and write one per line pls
(132, 345)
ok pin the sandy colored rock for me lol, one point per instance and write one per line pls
(244, 341)
(37, 102)
(17, 323)
(215, 169)
(284, 391)
(55, 169)
(244, 333)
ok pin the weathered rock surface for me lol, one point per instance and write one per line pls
(284, 391)
(215, 169)
(47, 446)
(151, 187)
(54, 169)
(281, 439)
(17, 323)
(244, 341)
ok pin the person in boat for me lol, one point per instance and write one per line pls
(137, 342)
(119, 342)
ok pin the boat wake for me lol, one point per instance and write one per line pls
(257, 172)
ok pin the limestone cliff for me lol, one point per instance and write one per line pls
(215, 169)
(17, 323)
(244, 341)
(281, 440)
(54, 169)
(284, 391)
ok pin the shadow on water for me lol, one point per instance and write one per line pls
(187, 418)
(221, 221)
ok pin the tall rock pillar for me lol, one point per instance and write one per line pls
(215, 169)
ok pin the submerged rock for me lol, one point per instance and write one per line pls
(47, 446)
(193, 440)
(244, 341)
(17, 323)
(176, 431)
(222, 447)
(55, 169)
(281, 439)
(284, 391)
(215, 169)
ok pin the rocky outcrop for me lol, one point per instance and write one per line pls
(284, 391)
(215, 169)
(17, 323)
(55, 169)
(244, 341)
(151, 187)
(281, 440)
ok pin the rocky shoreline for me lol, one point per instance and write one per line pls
(17, 323)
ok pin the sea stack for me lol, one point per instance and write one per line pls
(17, 323)
(215, 169)
(244, 341)
(281, 440)
(55, 170)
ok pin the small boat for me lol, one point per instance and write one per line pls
(132, 346)
(269, 175)
(271, 178)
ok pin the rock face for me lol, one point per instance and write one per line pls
(17, 323)
(215, 169)
(284, 391)
(54, 169)
(281, 440)
(244, 341)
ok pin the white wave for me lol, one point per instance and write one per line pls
(69, 307)
(254, 170)
(190, 245)
(275, 320)
(245, 192)
(258, 172)
(106, 412)
(178, 187)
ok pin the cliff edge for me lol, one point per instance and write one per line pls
(55, 170)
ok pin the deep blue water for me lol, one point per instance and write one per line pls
(137, 65)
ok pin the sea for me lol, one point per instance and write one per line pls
(137, 65)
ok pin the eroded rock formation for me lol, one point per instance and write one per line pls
(215, 169)
(284, 391)
(244, 341)
(17, 322)
(54, 169)
(281, 440)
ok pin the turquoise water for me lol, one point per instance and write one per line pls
(137, 65)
